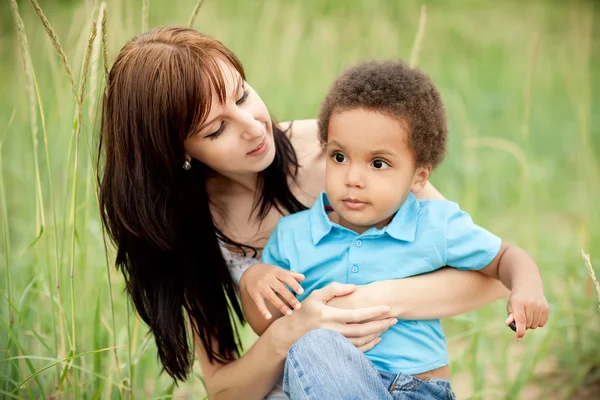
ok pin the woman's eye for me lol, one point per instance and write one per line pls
(339, 158)
(243, 98)
(218, 132)
(380, 164)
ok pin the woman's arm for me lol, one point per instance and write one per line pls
(241, 378)
(429, 192)
(441, 294)
(254, 374)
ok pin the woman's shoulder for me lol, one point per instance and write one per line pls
(311, 155)
(303, 135)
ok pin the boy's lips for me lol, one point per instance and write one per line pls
(354, 204)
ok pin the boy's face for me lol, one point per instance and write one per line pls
(370, 168)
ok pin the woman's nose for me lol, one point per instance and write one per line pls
(251, 127)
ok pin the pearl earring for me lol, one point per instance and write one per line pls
(187, 165)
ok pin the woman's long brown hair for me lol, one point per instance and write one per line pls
(159, 91)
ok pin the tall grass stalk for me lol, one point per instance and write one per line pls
(588, 265)
(56, 43)
(418, 43)
(7, 254)
(145, 14)
(195, 12)
(31, 89)
(529, 86)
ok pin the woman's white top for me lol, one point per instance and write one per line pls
(237, 265)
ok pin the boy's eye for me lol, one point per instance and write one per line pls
(339, 158)
(380, 164)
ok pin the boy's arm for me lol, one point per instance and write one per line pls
(469, 246)
(514, 268)
(527, 305)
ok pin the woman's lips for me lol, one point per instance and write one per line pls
(264, 145)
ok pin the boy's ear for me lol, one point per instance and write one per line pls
(420, 178)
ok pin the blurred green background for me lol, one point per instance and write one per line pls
(523, 105)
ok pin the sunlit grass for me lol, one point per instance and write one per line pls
(518, 82)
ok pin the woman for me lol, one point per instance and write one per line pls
(196, 176)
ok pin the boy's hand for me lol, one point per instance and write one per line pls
(528, 310)
(263, 281)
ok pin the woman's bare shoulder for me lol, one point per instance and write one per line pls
(303, 135)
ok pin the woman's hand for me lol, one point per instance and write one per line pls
(362, 326)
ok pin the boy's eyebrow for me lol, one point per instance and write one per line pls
(384, 152)
(335, 143)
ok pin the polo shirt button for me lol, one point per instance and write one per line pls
(358, 243)
(355, 268)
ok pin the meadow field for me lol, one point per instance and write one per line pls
(521, 84)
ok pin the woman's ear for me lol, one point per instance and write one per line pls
(420, 178)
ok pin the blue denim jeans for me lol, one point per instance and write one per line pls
(325, 365)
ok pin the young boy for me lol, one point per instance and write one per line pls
(384, 128)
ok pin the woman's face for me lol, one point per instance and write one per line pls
(237, 137)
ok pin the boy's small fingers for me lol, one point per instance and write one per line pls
(261, 306)
(280, 305)
(509, 319)
(530, 316)
(298, 277)
(287, 295)
(544, 318)
(521, 326)
(535, 322)
(291, 282)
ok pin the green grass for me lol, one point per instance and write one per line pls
(522, 95)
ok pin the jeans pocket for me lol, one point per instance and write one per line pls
(445, 385)
(404, 383)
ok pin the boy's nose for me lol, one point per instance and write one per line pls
(354, 177)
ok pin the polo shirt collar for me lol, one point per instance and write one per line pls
(402, 227)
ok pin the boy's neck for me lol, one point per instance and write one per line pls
(336, 218)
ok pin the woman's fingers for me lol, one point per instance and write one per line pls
(366, 328)
(332, 290)
(368, 346)
(362, 340)
(354, 316)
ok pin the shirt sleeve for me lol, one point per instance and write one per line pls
(468, 246)
(274, 251)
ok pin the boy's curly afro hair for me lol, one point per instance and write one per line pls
(398, 91)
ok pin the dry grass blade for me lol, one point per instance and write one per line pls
(95, 62)
(104, 40)
(588, 264)
(529, 86)
(145, 14)
(195, 13)
(416, 50)
(56, 43)
(80, 98)
(26, 60)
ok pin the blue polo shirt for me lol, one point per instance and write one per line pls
(422, 237)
